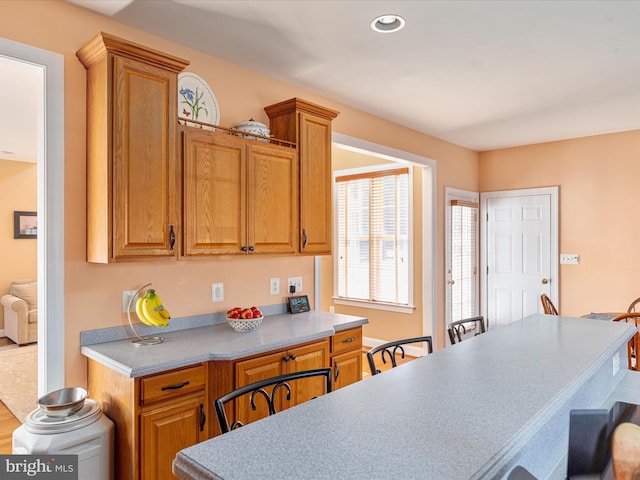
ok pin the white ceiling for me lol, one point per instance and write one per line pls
(481, 74)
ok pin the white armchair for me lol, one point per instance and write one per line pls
(21, 311)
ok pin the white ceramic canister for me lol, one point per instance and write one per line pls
(251, 126)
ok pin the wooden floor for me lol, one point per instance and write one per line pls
(8, 423)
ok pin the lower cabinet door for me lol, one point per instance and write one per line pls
(249, 371)
(347, 368)
(167, 430)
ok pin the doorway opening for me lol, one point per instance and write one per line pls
(50, 208)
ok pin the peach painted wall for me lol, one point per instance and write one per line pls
(599, 200)
(19, 257)
(93, 292)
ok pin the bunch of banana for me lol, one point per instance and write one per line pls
(150, 310)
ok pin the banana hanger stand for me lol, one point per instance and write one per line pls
(140, 340)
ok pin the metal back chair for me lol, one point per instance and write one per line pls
(634, 344)
(390, 349)
(267, 390)
(458, 330)
(548, 306)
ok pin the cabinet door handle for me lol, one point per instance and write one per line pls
(286, 358)
(203, 417)
(172, 238)
(244, 248)
(252, 248)
(304, 237)
(177, 386)
(293, 356)
(336, 371)
(349, 340)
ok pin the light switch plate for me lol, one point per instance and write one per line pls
(569, 258)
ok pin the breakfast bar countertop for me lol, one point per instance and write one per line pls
(473, 410)
(182, 347)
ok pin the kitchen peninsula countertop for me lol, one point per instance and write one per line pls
(473, 410)
(217, 342)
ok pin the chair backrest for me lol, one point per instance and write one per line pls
(547, 305)
(457, 330)
(391, 348)
(634, 344)
(633, 306)
(266, 389)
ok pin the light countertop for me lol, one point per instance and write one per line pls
(472, 410)
(217, 342)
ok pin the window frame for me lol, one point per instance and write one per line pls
(377, 305)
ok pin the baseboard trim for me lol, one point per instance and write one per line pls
(368, 342)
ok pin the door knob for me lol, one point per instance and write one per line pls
(451, 282)
(545, 281)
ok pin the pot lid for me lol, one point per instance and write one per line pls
(39, 422)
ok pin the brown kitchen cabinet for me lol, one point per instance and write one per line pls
(309, 126)
(132, 186)
(306, 357)
(346, 357)
(155, 416)
(240, 195)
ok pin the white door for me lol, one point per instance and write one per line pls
(521, 260)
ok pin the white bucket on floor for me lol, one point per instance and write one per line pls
(86, 433)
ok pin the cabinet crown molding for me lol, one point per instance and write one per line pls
(298, 104)
(104, 43)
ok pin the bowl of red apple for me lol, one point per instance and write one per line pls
(244, 319)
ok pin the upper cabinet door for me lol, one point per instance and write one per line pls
(132, 176)
(315, 184)
(272, 193)
(215, 195)
(144, 160)
(309, 126)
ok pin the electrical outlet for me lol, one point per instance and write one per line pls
(126, 297)
(569, 258)
(274, 286)
(217, 292)
(296, 282)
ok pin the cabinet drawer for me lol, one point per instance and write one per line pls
(347, 340)
(172, 384)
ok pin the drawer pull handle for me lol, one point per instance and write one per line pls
(176, 386)
(349, 340)
(203, 417)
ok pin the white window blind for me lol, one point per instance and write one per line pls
(464, 254)
(373, 236)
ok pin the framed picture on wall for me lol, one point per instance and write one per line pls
(25, 224)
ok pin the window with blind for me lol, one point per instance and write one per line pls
(373, 233)
(464, 255)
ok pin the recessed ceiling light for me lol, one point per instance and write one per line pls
(388, 23)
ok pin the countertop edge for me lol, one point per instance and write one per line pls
(114, 354)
